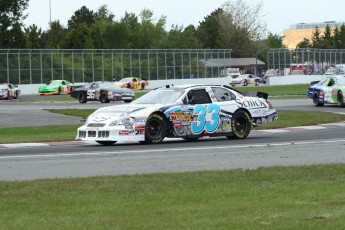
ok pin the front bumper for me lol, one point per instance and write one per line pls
(109, 133)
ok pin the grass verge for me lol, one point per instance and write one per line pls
(68, 132)
(306, 197)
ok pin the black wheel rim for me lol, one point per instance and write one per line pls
(241, 124)
(154, 128)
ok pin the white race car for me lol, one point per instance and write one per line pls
(245, 79)
(189, 112)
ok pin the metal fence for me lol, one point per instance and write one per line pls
(39, 66)
(319, 60)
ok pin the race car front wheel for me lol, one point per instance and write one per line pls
(104, 98)
(240, 125)
(245, 83)
(81, 98)
(107, 143)
(340, 98)
(316, 100)
(155, 129)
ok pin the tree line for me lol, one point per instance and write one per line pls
(329, 39)
(235, 25)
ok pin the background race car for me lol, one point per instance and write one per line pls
(245, 79)
(330, 90)
(134, 83)
(188, 112)
(103, 92)
(9, 91)
(56, 87)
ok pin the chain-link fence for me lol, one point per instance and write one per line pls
(40, 66)
(316, 60)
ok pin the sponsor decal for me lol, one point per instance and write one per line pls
(251, 103)
(206, 118)
(124, 132)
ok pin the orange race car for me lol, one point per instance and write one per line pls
(134, 83)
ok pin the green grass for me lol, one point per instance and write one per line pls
(68, 132)
(298, 89)
(306, 197)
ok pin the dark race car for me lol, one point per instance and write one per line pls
(103, 92)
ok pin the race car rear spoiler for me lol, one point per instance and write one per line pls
(256, 94)
(314, 82)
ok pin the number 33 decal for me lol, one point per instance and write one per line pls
(207, 118)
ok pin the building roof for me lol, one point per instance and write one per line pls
(232, 62)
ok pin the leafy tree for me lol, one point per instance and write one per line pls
(103, 14)
(150, 33)
(181, 38)
(131, 25)
(241, 26)
(55, 37)
(11, 17)
(304, 44)
(17, 38)
(80, 38)
(209, 30)
(33, 36)
(83, 15)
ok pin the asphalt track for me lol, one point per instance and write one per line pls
(294, 146)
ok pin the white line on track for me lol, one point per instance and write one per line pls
(72, 154)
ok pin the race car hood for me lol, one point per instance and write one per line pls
(111, 113)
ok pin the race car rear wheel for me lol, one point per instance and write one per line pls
(340, 98)
(240, 125)
(316, 100)
(59, 91)
(155, 129)
(107, 143)
(81, 98)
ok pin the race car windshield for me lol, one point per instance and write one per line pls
(53, 83)
(167, 96)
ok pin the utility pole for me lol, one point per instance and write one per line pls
(50, 13)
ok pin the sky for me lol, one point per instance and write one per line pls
(278, 14)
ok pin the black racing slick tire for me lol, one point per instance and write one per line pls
(142, 86)
(81, 98)
(316, 100)
(245, 83)
(155, 129)
(240, 125)
(59, 91)
(340, 98)
(107, 143)
(104, 98)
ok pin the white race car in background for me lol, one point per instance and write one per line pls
(189, 112)
(9, 91)
(245, 79)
